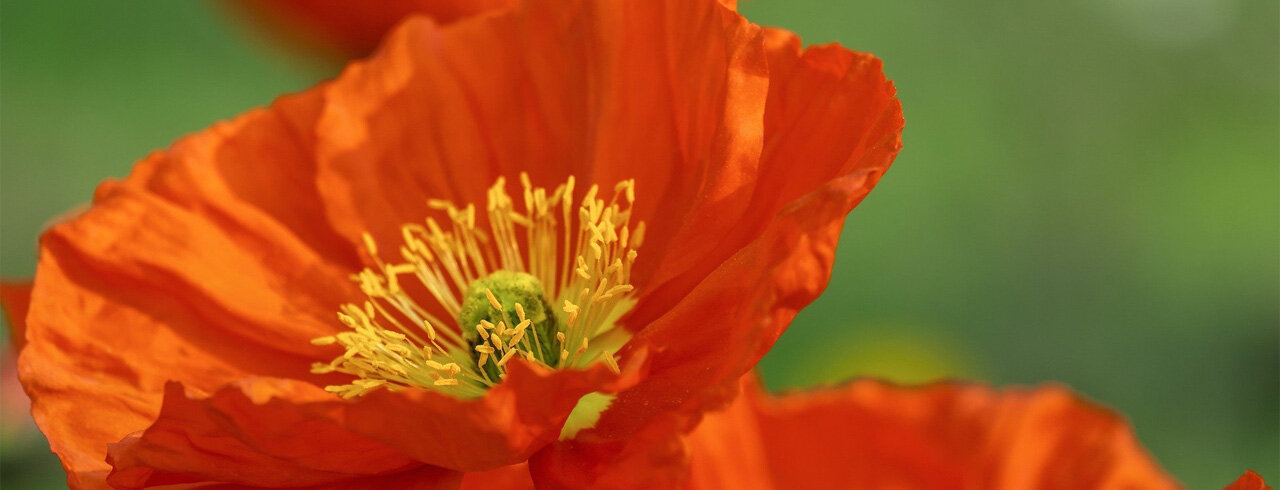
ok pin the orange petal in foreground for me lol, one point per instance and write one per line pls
(435, 256)
(871, 434)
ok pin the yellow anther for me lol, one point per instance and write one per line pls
(507, 357)
(323, 341)
(431, 331)
(492, 300)
(393, 335)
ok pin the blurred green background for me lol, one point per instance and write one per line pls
(1088, 194)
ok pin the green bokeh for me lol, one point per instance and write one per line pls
(1088, 193)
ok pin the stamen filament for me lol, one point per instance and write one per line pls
(399, 338)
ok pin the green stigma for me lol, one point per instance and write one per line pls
(519, 297)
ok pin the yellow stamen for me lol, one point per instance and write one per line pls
(562, 251)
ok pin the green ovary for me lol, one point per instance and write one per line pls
(510, 289)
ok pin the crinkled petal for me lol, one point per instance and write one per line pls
(514, 477)
(733, 316)
(830, 113)
(846, 142)
(419, 478)
(255, 178)
(870, 434)
(196, 268)
(654, 457)
(670, 93)
(504, 427)
(261, 432)
(275, 432)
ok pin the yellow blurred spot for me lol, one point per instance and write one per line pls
(901, 355)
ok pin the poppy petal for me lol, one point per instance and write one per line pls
(15, 298)
(254, 177)
(727, 450)
(1248, 481)
(554, 88)
(735, 314)
(846, 142)
(504, 427)
(284, 432)
(90, 367)
(870, 434)
(256, 431)
(654, 457)
(514, 477)
(422, 477)
(828, 107)
(239, 291)
(189, 269)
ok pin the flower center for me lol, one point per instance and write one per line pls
(498, 300)
(537, 285)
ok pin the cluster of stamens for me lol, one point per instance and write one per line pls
(536, 285)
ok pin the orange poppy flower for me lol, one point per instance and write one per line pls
(340, 289)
